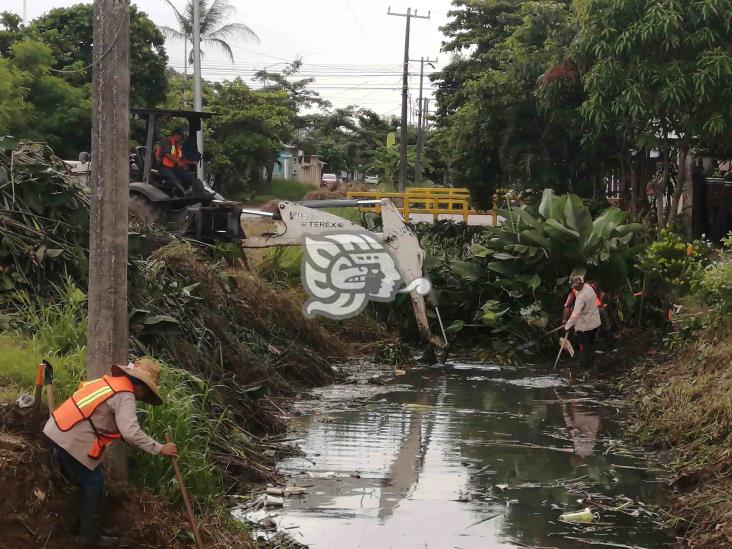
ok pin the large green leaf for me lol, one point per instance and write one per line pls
(555, 229)
(578, 216)
(629, 228)
(546, 205)
(466, 270)
(537, 237)
(505, 268)
(478, 250)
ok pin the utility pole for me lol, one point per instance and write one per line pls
(197, 98)
(107, 336)
(420, 135)
(404, 136)
(25, 12)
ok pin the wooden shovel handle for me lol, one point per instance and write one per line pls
(184, 494)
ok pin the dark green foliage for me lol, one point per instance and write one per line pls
(247, 134)
(68, 32)
(513, 278)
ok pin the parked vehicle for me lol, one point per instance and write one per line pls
(371, 180)
(328, 179)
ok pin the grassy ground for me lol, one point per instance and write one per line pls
(278, 189)
(684, 409)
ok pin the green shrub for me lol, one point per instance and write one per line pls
(715, 287)
(673, 265)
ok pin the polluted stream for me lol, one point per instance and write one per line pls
(463, 456)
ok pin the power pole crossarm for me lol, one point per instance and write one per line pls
(404, 134)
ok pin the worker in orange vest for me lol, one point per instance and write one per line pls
(173, 166)
(98, 413)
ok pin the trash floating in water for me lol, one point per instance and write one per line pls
(289, 491)
(264, 500)
(586, 516)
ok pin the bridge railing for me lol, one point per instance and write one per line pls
(435, 201)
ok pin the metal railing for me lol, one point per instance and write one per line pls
(433, 201)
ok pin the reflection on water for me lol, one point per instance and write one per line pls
(423, 463)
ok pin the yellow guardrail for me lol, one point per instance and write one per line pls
(435, 201)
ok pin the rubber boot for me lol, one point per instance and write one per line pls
(90, 515)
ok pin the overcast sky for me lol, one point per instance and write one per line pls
(352, 47)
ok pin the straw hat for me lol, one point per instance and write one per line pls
(146, 370)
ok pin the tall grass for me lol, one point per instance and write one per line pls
(57, 327)
(186, 415)
(18, 360)
(281, 265)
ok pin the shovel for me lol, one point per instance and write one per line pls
(36, 415)
(186, 501)
(48, 382)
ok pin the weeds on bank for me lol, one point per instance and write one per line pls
(185, 415)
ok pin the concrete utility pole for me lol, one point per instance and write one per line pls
(404, 136)
(420, 134)
(197, 98)
(107, 339)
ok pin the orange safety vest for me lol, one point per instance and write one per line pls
(175, 151)
(598, 300)
(84, 402)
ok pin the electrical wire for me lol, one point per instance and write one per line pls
(93, 63)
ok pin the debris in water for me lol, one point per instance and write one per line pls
(267, 523)
(586, 516)
(486, 519)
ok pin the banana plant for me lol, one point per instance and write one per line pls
(523, 265)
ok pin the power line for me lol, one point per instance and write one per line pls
(403, 140)
(355, 18)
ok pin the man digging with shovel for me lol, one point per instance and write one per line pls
(100, 412)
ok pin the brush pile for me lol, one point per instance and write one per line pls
(43, 221)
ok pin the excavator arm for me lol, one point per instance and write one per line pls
(292, 222)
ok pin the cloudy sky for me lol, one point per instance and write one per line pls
(352, 47)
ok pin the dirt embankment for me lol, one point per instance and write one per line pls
(37, 508)
(684, 410)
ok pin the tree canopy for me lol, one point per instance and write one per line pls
(69, 34)
(555, 93)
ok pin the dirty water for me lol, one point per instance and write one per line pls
(470, 456)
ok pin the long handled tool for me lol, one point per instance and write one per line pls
(533, 341)
(36, 415)
(186, 501)
(561, 348)
(563, 344)
(48, 382)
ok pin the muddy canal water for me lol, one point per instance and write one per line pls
(470, 456)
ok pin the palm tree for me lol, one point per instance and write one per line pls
(213, 30)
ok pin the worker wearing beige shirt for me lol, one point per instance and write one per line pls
(100, 412)
(585, 319)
